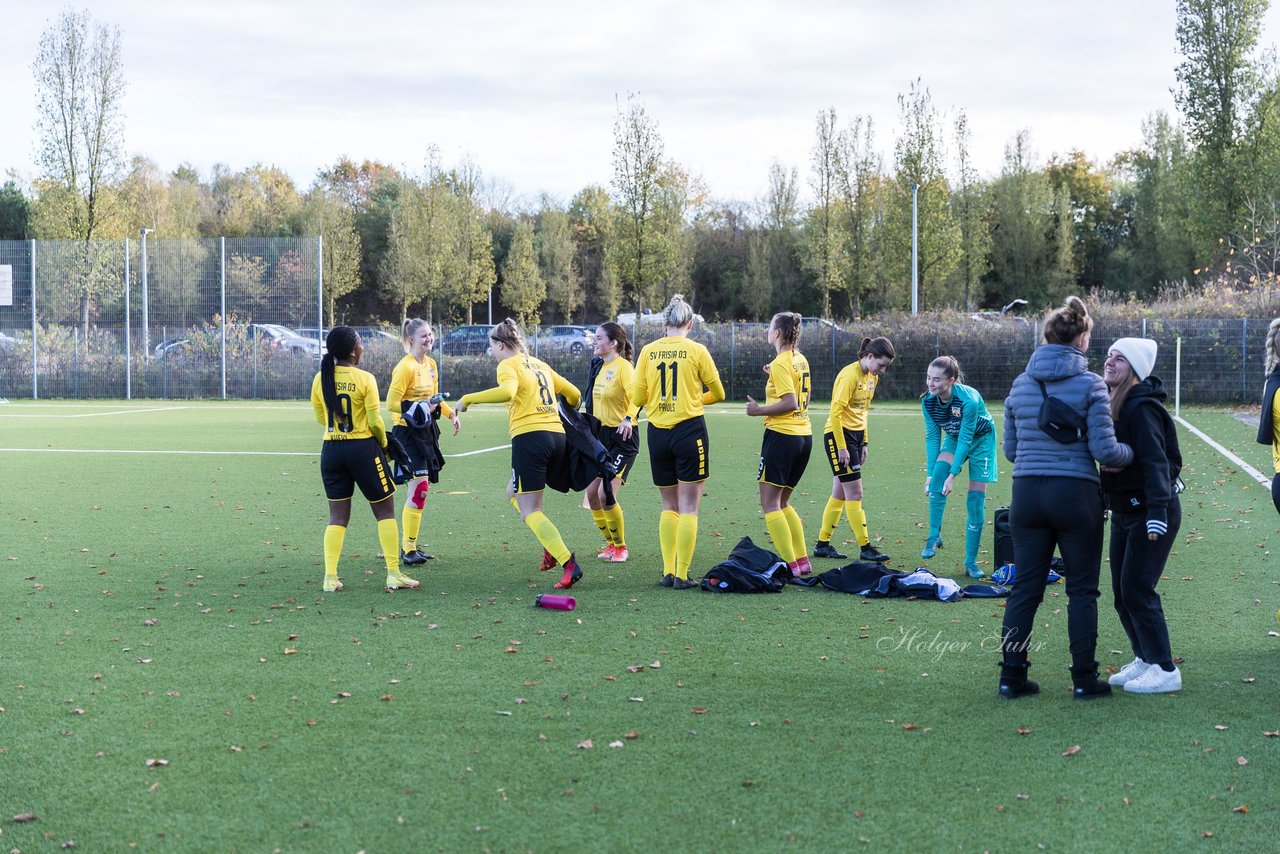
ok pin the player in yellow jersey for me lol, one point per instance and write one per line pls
(529, 387)
(788, 439)
(414, 381)
(675, 377)
(347, 405)
(609, 403)
(846, 444)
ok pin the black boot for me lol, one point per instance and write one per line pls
(1087, 684)
(1014, 682)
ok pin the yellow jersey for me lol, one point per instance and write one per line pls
(611, 394)
(360, 415)
(1275, 427)
(850, 399)
(789, 374)
(529, 387)
(413, 381)
(670, 376)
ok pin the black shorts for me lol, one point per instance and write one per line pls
(344, 463)
(423, 445)
(531, 455)
(783, 459)
(681, 454)
(855, 441)
(622, 452)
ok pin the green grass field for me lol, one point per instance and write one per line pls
(161, 601)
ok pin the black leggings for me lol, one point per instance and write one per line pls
(1136, 565)
(1275, 491)
(1047, 513)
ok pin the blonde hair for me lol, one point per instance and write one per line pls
(1119, 393)
(789, 326)
(1273, 345)
(408, 330)
(678, 313)
(1067, 322)
(508, 334)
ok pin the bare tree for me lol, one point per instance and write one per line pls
(79, 79)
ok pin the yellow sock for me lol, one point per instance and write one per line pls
(411, 521)
(668, 524)
(858, 521)
(613, 516)
(598, 517)
(333, 537)
(776, 522)
(798, 546)
(686, 540)
(830, 518)
(549, 535)
(389, 537)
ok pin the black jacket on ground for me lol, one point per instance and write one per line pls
(1146, 426)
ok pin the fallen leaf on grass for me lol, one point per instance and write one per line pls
(23, 818)
(1242, 809)
(632, 735)
(1264, 732)
(700, 710)
(585, 745)
(615, 744)
(1024, 730)
(1072, 750)
(634, 668)
(1219, 727)
(288, 650)
(387, 697)
(1240, 760)
(656, 665)
(157, 763)
(911, 726)
(636, 699)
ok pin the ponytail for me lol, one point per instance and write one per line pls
(341, 344)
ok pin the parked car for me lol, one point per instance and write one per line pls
(465, 341)
(816, 324)
(172, 347)
(282, 337)
(569, 339)
(367, 333)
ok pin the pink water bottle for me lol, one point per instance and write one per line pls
(555, 602)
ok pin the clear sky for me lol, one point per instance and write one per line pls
(529, 90)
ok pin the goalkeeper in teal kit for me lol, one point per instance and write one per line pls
(957, 429)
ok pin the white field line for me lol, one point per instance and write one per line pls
(1245, 467)
(206, 453)
(149, 451)
(92, 414)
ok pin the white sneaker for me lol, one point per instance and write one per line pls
(1156, 681)
(1129, 672)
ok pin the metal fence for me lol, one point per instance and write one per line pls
(217, 318)
(157, 318)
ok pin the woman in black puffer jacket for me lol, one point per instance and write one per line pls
(1057, 500)
(1145, 513)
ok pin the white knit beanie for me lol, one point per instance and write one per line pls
(1140, 353)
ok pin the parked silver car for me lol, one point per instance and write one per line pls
(282, 337)
(573, 340)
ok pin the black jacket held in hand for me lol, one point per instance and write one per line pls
(1266, 430)
(1146, 426)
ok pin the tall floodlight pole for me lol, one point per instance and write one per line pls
(146, 328)
(915, 251)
